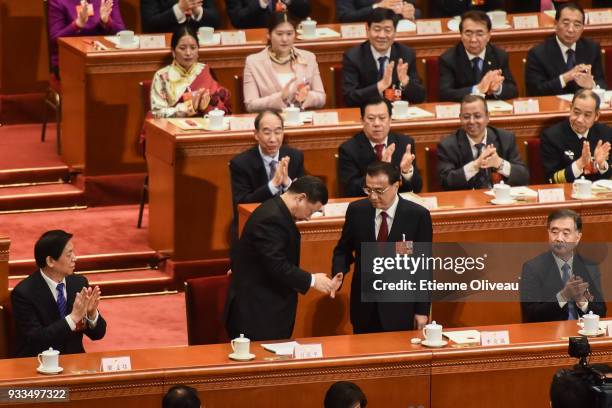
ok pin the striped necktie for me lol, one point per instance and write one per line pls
(571, 307)
(61, 299)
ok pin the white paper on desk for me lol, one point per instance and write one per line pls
(448, 111)
(428, 26)
(353, 31)
(566, 97)
(431, 203)
(335, 209)
(414, 112)
(302, 351)
(599, 17)
(152, 41)
(242, 123)
(405, 26)
(551, 195)
(463, 336)
(499, 106)
(494, 338)
(324, 118)
(525, 22)
(281, 349)
(525, 107)
(233, 37)
(602, 185)
(517, 192)
(306, 117)
(188, 124)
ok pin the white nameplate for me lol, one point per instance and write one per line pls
(335, 209)
(525, 22)
(528, 106)
(494, 338)
(152, 41)
(431, 203)
(448, 111)
(353, 31)
(551, 195)
(116, 364)
(609, 329)
(308, 351)
(324, 118)
(429, 26)
(242, 123)
(599, 17)
(233, 37)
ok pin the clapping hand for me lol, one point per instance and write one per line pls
(302, 94)
(194, 6)
(106, 7)
(387, 79)
(407, 159)
(402, 72)
(83, 14)
(408, 11)
(585, 157)
(93, 301)
(79, 307)
(387, 153)
(204, 99)
(602, 152)
(490, 158)
(288, 91)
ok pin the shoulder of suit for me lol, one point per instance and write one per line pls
(27, 282)
(257, 56)
(403, 48)
(403, 138)
(306, 54)
(502, 133)
(602, 129)
(359, 205)
(407, 205)
(243, 157)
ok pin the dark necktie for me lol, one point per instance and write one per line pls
(477, 68)
(381, 67)
(482, 177)
(379, 151)
(383, 231)
(273, 164)
(571, 307)
(61, 300)
(571, 59)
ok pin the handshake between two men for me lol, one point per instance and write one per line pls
(324, 284)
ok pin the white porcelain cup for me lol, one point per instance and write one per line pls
(241, 346)
(308, 28)
(49, 359)
(582, 188)
(205, 34)
(215, 119)
(433, 332)
(590, 323)
(126, 37)
(400, 108)
(498, 17)
(292, 115)
(502, 192)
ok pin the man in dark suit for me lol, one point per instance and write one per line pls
(577, 146)
(560, 284)
(380, 67)
(255, 13)
(53, 307)
(266, 277)
(450, 8)
(477, 155)
(564, 62)
(164, 16)
(474, 65)
(350, 11)
(267, 168)
(383, 217)
(376, 142)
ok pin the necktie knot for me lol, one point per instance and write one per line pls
(379, 151)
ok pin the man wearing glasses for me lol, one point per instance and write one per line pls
(376, 142)
(382, 217)
(474, 65)
(565, 62)
(477, 155)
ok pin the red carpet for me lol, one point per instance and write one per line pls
(142, 322)
(20, 147)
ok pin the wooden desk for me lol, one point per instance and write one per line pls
(190, 192)
(391, 371)
(102, 104)
(470, 218)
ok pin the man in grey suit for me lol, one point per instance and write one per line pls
(477, 155)
(560, 284)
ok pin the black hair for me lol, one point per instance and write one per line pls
(380, 14)
(313, 187)
(180, 32)
(469, 98)
(570, 6)
(51, 243)
(584, 93)
(263, 113)
(565, 213)
(376, 101)
(278, 18)
(181, 396)
(344, 394)
(477, 16)
(379, 167)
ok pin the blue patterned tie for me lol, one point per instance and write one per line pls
(477, 68)
(571, 307)
(61, 300)
(571, 59)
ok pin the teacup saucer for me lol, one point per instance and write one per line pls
(504, 26)
(600, 332)
(435, 344)
(579, 197)
(400, 117)
(42, 370)
(226, 125)
(237, 357)
(505, 202)
(294, 124)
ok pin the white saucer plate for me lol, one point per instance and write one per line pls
(497, 202)
(505, 26)
(41, 370)
(131, 46)
(236, 357)
(600, 332)
(577, 197)
(226, 125)
(294, 124)
(436, 344)
(397, 117)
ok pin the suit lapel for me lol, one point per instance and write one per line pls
(464, 147)
(370, 65)
(397, 229)
(269, 73)
(366, 152)
(490, 61)
(371, 226)
(259, 172)
(71, 291)
(48, 303)
(554, 275)
(464, 65)
(556, 56)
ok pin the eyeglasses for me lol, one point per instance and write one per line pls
(377, 191)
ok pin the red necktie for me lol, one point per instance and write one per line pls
(379, 150)
(383, 231)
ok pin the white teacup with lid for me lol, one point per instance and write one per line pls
(308, 28)
(590, 323)
(400, 109)
(126, 38)
(433, 333)
(502, 192)
(215, 119)
(292, 115)
(582, 188)
(241, 347)
(49, 360)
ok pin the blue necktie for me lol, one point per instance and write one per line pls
(571, 307)
(571, 59)
(61, 300)
(273, 164)
(381, 67)
(477, 68)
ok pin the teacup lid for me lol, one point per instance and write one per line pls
(590, 315)
(433, 325)
(50, 352)
(501, 184)
(241, 338)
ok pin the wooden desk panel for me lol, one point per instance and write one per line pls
(110, 85)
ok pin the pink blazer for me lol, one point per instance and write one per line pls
(263, 91)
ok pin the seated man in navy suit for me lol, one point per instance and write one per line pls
(53, 307)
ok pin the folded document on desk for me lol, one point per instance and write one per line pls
(517, 192)
(281, 349)
(463, 336)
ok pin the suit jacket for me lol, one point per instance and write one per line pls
(262, 297)
(541, 281)
(357, 153)
(454, 152)
(450, 8)
(263, 91)
(249, 14)
(545, 63)
(360, 75)
(157, 16)
(350, 11)
(412, 220)
(457, 77)
(560, 147)
(38, 322)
